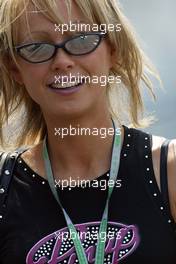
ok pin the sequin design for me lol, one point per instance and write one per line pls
(58, 247)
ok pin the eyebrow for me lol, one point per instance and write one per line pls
(26, 36)
(47, 33)
(73, 22)
(37, 31)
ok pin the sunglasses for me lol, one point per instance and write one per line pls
(39, 52)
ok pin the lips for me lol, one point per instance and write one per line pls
(64, 86)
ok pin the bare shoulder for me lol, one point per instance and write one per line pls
(172, 176)
(156, 150)
(171, 168)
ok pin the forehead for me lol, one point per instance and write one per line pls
(35, 19)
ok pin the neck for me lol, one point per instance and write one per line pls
(84, 154)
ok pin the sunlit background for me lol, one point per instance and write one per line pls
(155, 23)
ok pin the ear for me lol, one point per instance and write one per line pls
(14, 70)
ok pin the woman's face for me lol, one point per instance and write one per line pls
(37, 77)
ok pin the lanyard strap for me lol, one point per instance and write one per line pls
(115, 162)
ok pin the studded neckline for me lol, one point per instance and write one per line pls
(25, 168)
(146, 164)
(126, 148)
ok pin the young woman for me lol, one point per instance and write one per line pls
(122, 207)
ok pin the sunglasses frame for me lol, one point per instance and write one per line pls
(61, 46)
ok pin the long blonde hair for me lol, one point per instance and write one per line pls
(125, 100)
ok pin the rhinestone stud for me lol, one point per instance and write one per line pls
(7, 172)
(2, 190)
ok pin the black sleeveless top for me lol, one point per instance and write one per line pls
(140, 226)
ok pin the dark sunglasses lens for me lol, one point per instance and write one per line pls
(82, 44)
(37, 52)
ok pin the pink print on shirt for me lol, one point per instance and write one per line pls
(121, 241)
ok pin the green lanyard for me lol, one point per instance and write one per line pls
(115, 162)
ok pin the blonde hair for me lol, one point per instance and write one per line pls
(125, 100)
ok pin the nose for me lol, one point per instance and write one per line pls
(62, 61)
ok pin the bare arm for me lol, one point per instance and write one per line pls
(172, 177)
(156, 149)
